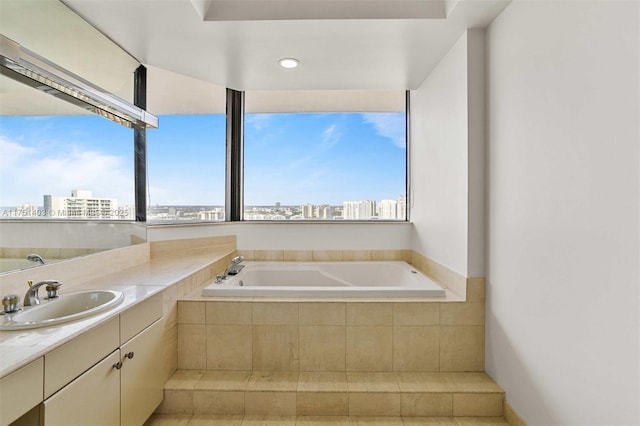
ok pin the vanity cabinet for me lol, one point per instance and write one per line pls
(141, 377)
(91, 399)
(20, 391)
(124, 387)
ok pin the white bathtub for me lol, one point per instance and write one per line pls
(326, 279)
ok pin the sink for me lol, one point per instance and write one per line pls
(68, 307)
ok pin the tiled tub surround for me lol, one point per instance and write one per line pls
(333, 358)
(362, 336)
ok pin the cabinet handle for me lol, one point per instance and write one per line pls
(117, 365)
(129, 355)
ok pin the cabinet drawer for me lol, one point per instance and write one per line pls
(139, 317)
(91, 399)
(21, 391)
(67, 362)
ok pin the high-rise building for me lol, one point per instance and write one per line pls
(359, 210)
(387, 209)
(307, 211)
(401, 208)
(82, 205)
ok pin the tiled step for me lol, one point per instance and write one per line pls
(422, 394)
(239, 420)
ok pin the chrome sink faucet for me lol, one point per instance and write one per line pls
(31, 297)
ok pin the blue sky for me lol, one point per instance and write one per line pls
(290, 158)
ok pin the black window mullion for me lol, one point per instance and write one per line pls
(140, 146)
(234, 201)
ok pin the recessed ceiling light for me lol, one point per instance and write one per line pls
(288, 63)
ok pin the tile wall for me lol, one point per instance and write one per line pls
(331, 336)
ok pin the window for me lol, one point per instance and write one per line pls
(325, 156)
(186, 153)
(186, 156)
(65, 167)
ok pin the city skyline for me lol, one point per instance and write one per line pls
(292, 158)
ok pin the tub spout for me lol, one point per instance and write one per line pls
(234, 266)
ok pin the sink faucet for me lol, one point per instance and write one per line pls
(31, 297)
(35, 258)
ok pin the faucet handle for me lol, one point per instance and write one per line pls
(10, 303)
(53, 289)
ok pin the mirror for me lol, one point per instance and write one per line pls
(51, 148)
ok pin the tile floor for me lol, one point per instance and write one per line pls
(210, 420)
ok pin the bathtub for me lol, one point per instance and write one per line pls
(326, 279)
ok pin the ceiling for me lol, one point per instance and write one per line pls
(341, 44)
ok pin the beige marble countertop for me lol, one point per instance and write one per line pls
(19, 347)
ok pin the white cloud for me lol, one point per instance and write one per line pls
(389, 125)
(258, 121)
(26, 173)
(331, 136)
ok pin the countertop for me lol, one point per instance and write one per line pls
(20, 347)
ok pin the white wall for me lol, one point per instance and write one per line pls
(297, 236)
(447, 152)
(563, 233)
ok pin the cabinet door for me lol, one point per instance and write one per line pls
(91, 399)
(141, 375)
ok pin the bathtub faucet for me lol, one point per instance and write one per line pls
(234, 266)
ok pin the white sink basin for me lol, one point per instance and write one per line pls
(68, 307)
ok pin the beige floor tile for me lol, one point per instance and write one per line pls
(322, 382)
(229, 347)
(369, 313)
(322, 348)
(228, 313)
(218, 402)
(223, 380)
(168, 420)
(183, 379)
(323, 313)
(322, 420)
(476, 404)
(423, 382)
(369, 348)
(430, 421)
(416, 348)
(275, 347)
(426, 404)
(270, 403)
(375, 421)
(261, 420)
(322, 404)
(273, 381)
(471, 382)
(374, 404)
(372, 382)
(215, 420)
